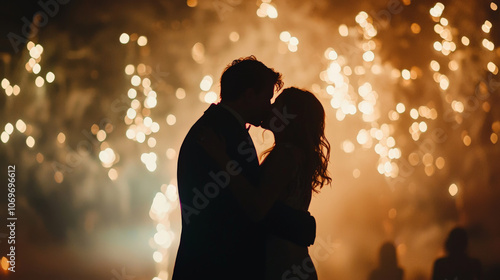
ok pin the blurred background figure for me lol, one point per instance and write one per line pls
(456, 265)
(388, 268)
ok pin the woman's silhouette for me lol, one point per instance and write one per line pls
(294, 167)
(388, 267)
(457, 265)
(302, 135)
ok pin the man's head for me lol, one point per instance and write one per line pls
(248, 85)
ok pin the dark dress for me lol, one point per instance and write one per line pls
(218, 241)
(285, 259)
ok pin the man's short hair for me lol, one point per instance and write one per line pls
(247, 73)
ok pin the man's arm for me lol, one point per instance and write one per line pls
(260, 202)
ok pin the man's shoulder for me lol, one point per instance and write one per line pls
(209, 118)
(219, 119)
(214, 117)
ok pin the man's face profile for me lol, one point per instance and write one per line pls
(261, 104)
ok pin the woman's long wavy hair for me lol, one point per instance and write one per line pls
(306, 130)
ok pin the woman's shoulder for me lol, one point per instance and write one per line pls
(287, 153)
(284, 155)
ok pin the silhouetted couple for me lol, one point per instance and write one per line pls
(242, 220)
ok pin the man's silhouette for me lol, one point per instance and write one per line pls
(218, 241)
(457, 265)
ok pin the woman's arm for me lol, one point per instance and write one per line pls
(256, 201)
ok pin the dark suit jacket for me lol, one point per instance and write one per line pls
(218, 241)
